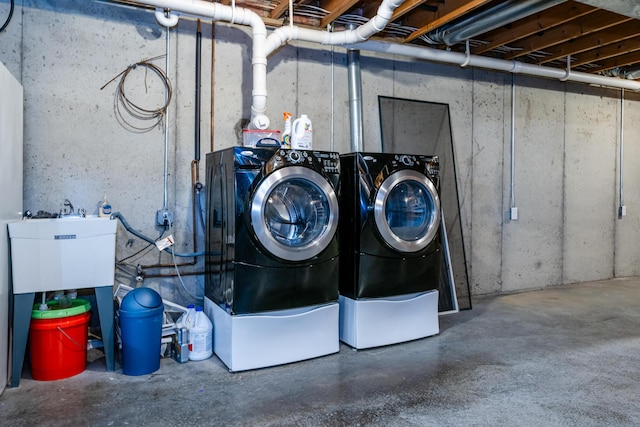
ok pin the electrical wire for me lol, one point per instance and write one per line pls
(146, 248)
(175, 264)
(123, 106)
(125, 224)
(149, 245)
(6, 22)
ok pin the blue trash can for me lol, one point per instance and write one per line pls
(141, 331)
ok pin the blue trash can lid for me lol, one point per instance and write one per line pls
(141, 298)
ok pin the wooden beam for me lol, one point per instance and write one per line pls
(335, 8)
(278, 11)
(607, 52)
(405, 8)
(448, 12)
(533, 24)
(598, 45)
(619, 61)
(571, 30)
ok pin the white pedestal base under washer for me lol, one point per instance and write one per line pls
(374, 322)
(260, 340)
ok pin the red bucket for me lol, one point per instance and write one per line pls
(58, 340)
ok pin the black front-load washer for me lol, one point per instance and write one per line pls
(389, 224)
(271, 239)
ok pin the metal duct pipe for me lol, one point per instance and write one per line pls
(502, 14)
(511, 66)
(355, 99)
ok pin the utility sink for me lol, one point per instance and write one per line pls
(52, 254)
(56, 254)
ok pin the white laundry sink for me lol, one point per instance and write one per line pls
(54, 254)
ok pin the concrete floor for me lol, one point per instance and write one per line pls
(564, 356)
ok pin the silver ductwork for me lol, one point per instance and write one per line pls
(502, 14)
(355, 99)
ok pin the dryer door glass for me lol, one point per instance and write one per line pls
(407, 211)
(294, 213)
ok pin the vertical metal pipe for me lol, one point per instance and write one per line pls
(513, 142)
(621, 208)
(332, 138)
(166, 126)
(212, 84)
(198, 92)
(355, 97)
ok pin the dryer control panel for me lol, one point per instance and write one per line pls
(420, 162)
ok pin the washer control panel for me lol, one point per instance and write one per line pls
(327, 161)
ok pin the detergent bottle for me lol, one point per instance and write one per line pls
(302, 133)
(286, 134)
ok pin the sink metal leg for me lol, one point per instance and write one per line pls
(104, 299)
(22, 306)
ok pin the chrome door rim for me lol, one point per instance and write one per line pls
(258, 221)
(380, 217)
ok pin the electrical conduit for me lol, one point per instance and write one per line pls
(509, 66)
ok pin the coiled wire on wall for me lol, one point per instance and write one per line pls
(6, 22)
(122, 104)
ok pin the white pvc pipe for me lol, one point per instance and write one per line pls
(455, 58)
(263, 46)
(362, 33)
(238, 15)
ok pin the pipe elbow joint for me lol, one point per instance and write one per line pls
(166, 18)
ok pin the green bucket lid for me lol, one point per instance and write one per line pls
(78, 306)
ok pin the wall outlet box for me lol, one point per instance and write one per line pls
(622, 211)
(514, 213)
(164, 217)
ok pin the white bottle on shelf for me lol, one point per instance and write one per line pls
(302, 134)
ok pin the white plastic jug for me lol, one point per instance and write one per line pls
(187, 319)
(302, 133)
(201, 337)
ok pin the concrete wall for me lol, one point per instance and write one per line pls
(566, 140)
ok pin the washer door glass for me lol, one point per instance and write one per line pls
(294, 213)
(407, 211)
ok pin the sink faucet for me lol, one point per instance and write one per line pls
(68, 211)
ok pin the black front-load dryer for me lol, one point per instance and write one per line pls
(389, 224)
(272, 219)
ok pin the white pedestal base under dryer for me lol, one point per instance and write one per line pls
(260, 340)
(374, 322)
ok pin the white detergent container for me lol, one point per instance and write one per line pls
(302, 134)
(200, 337)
